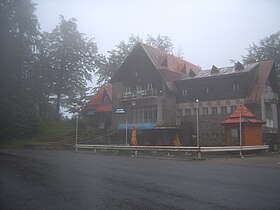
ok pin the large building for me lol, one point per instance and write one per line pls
(160, 95)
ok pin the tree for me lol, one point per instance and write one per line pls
(267, 49)
(19, 36)
(163, 43)
(71, 58)
(108, 65)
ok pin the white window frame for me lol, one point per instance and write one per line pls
(138, 88)
(128, 89)
(150, 86)
(184, 92)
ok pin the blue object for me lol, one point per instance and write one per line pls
(138, 126)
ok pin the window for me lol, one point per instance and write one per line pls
(138, 88)
(184, 92)
(205, 110)
(188, 111)
(236, 87)
(234, 136)
(223, 110)
(150, 86)
(214, 110)
(127, 89)
(179, 112)
(232, 108)
(209, 90)
(106, 99)
(194, 110)
(144, 114)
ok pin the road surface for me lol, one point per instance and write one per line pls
(32, 179)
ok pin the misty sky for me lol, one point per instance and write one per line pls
(210, 32)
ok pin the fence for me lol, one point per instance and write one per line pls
(198, 150)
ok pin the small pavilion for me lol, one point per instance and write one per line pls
(245, 121)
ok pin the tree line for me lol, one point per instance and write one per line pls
(40, 72)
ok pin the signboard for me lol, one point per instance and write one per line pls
(119, 111)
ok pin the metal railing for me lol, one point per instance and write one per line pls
(198, 150)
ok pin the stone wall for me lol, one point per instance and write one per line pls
(211, 132)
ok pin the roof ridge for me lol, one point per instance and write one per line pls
(170, 57)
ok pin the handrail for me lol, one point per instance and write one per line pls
(172, 148)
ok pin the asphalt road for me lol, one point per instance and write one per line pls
(68, 180)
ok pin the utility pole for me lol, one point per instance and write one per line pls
(77, 122)
(240, 133)
(197, 130)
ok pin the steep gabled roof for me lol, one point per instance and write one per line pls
(163, 60)
(259, 81)
(169, 67)
(241, 114)
(96, 102)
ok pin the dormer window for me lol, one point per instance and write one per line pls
(127, 89)
(215, 70)
(164, 61)
(192, 73)
(138, 88)
(239, 66)
(184, 92)
(236, 87)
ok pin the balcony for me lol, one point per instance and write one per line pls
(139, 94)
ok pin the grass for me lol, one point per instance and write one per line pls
(52, 131)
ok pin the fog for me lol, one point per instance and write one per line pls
(210, 32)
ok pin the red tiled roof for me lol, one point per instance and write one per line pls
(174, 64)
(243, 113)
(98, 97)
(104, 108)
(97, 100)
(170, 70)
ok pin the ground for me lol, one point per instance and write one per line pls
(31, 179)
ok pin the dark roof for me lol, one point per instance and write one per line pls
(261, 71)
(259, 81)
(96, 102)
(222, 71)
(242, 114)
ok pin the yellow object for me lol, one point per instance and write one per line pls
(133, 137)
(176, 141)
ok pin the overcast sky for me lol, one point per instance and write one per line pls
(209, 31)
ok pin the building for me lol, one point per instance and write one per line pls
(99, 108)
(158, 94)
(243, 128)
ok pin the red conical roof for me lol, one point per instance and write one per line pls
(241, 114)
